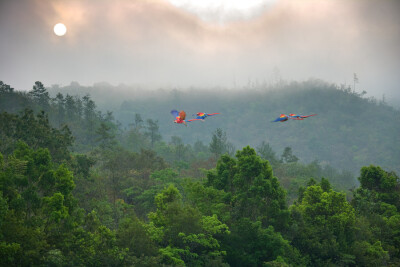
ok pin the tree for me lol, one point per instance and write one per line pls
(70, 107)
(36, 132)
(266, 152)
(79, 107)
(325, 185)
(377, 202)
(249, 244)
(257, 206)
(256, 193)
(60, 102)
(138, 122)
(39, 205)
(117, 165)
(386, 184)
(141, 177)
(208, 199)
(134, 139)
(152, 131)
(378, 191)
(179, 148)
(368, 254)
(132, 234)
(106, 137)
(324, 226)
(89, 112)
(40, 95)
(185, 236)
(219, 144)
(201, 151)
(5, 88)
(287, 156)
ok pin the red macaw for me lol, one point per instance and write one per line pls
(179, 116)
(300, 117)
(281, 118)
(201, 116)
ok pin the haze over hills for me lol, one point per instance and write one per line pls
(155, 42)
(94, 172)
(351, 130)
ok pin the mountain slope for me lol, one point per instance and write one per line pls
(349, 131)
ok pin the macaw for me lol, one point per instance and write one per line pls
(299, 117)
(201, 116)
(281, 118)
(179, 116)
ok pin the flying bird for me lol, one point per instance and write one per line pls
(180, 116)
(201, 116)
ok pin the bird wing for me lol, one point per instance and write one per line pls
(174, 113)
(278, 119)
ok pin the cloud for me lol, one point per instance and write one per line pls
(224, 11)
(154, 42)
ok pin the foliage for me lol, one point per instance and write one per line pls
(351, 130)
(133, 199)
(377, 203)
(255, 192)
(36, 131)
(219, 144)
(184, 235)
(323, 226)
(250, 244)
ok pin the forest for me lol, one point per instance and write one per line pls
(350, 131)
(84, 186)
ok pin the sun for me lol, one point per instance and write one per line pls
(60, 29)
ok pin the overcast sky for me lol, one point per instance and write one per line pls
(181, 43)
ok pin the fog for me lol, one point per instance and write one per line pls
(156, 44)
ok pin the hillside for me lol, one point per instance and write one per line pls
(126, 196)
(349, 131)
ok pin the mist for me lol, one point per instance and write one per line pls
(156, 44)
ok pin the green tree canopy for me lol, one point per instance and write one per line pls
(255, 192)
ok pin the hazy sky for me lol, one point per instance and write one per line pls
(201, 43)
